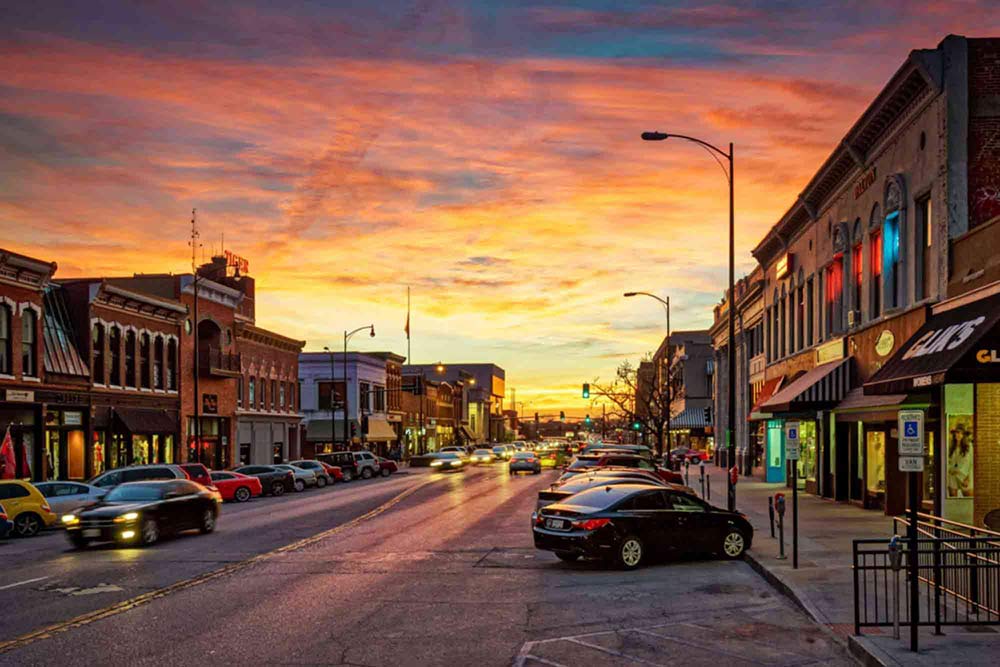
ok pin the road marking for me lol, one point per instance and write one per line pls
(126, 605)
(22, 583)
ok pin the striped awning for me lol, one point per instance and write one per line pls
(822, 387)
(766, 392)
(689, 418)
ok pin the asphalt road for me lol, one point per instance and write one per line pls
(445, 575)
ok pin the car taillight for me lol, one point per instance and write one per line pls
(539, 520)
(591, 524)
(531, 460)
(46, 508)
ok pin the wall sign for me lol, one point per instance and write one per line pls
(886, 341)
(783, 266)
(987, 357)
(210, 404)
(233, 260)
(830, 351)
(911, 433)
(866, 181)
(948, 338)
(72, 418)
(18, 396)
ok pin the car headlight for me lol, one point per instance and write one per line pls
(70, 519)
(128, 516)
(435, 464)
(456, 463)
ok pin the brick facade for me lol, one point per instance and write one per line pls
(984, 131)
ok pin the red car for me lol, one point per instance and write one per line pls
(633, 461)
(387, 466)
(235, 486)
(197, 473)
(335, 473)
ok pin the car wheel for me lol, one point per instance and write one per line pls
(630, 552)
(320, 482)
(27, 524)
(278, 488)
(150, 532)
(207, 522)
(300, 485)
(367, 473)
(348, 476)
(386, 472)
(242, 495)
(734, 544)
(78, 542)
(567, 556)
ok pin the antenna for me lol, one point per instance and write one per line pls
(195, 235)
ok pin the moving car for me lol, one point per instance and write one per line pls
(387, 466)
(26, 507)
(139, 513)
(525, 462)
(236, 486)
(322, 476)
(455, 449)
(274, 481)
(501, 452)
(6, 525)
(448, 461)
(141, 473)
(628, 523)
(303, 478)
(482, 456)
(65, 497)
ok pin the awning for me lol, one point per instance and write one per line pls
(379, 429)
(766, 392)
(822, 387)
(141, 421)
(689, 418)
(318, 430)
(954, 345)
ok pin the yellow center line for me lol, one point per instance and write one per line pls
(125, 605)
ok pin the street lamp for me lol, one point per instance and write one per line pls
(333, 414)
(715, 152)
(670, 359)
(347, 337)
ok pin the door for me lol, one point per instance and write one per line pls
(696, 528)
(646, 512)
(841, 466)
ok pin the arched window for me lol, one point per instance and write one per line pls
(172, 364)
(6, 340)
(130, 358)
(158, 362)
(144, 361)
(274, 392)
(783, 324)
(29, 343)
(281, 395)
(251, 394)
(800, 311)
(857, 266)
(97, 353)
(892, 246)
(115, 356)
(875, 259)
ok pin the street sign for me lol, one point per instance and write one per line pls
(792, 441)
(911, 433)
(911, 463)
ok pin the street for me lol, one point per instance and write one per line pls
(422, 568)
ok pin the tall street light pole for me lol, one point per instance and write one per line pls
(347, 336)
(715, 152)
(670, 359)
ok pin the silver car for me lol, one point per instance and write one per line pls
(303, 477)
(65, 497)
(525, 461)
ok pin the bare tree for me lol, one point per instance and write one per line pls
(637, 399)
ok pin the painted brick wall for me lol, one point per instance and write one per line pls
(984, 130)
(986, 452)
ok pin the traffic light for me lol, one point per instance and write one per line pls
(587, 419)
(636, 425)
(562, 416)
(586, 390)
(708, 414)
(354, 430)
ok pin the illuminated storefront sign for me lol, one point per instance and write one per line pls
(783, 266)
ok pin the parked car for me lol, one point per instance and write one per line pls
(64, 497)
(140, 473)
(141, 512)
(353, 464)
(6, 525)
(323, 478)
(448, 461)
(615, 460)
(524, 462)
(630, 473)
(629, 523)
(559, 493)
(197, 472)
(387, 466)
(236, 486)
(303, 478)
(682, 454)
(335, 473)
(274, 481)
(26, 507)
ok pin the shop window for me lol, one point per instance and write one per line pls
(52, 462)
(807, 452)
(144, 361)
(97, 353)
(115, 356)
(29, 343)
(929, 467)
(130, 359)
(172, 365)
(875, 461)
(6, 355)
(875, 244)
(97, 453)
(251, 394)
(158, 362)
(923, 260)
(959, 477)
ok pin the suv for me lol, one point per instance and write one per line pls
(138, 474)
(352, 464)
(197, 472)
(25, 507)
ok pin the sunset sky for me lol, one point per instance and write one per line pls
(485, 153)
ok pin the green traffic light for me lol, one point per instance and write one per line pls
(586, 390)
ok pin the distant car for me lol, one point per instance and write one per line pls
(236, 486)
(455, 449)
(274, 481)
(6, 525)
(628, 523)
(335, 473)
(387, 466)
(26, 507)
(323, 478)
(482, 456)
(303, 478)
(352, 464)
(448, 461)
(501, 452)
(64, 497)
(138, 473)
(525, 462)
(682, 454)
(140, 513)
(197, 472)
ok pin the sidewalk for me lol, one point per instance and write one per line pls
(823, 585)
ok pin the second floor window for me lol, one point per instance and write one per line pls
(6, 356)
(172, 365)
(115, 356)
(876, 281)
(144, 361)
(274, 392)
(859, 274)
(890, 260)
(923, 260)
(379, 399)
(251, 394)
(158, 363)
(239, 392)
(281, 395)
(29, 343)
(834, 290)
(97, 353)
(130, 359)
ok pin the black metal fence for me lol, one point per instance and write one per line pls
(958, 574)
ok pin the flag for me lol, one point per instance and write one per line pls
(8, 464)
(407, 327)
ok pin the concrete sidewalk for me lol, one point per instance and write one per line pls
(823, 584)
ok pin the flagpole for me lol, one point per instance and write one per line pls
(408, 358)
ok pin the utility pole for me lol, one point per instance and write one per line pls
(194, 270)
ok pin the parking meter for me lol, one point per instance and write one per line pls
(734, 475)
(895, 553)
(779, 506)
(896, 563)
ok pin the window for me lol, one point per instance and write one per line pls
(262, 390)
(250, 395)
(144, 361)
(379, 399)
(834, 289)
(652, 500)
(809, 312)
(29, 343)
(323, 402)
(172, 365)
(130, 359)
(859, 273)
(924, 258)
(801, 319)
(274, 394)
(683, 503)
(890, 260)
(281, 395)
(97, 353)
(8, 491)
(6, 355)
(875, 245)
(158, 362)
(239, 392)
(782, 320)
(364, 396)
(115, 356)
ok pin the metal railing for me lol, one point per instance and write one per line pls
(214, 361)
(958, 575)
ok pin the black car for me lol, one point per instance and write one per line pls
(580, 483)
(273, 481)
(626, 524)
(139, 513)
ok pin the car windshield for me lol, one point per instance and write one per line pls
(448, 455)
(524, 455)
(133, 493)
(601, 497)
(583, 463)
(483, 451)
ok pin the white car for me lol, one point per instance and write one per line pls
(303, 477)
(65, 497)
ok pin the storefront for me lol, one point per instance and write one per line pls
(380, 435)
(954, 361)
(263, 440)
(212, 449)
(769, 433)
(20, 415)
(125, 436)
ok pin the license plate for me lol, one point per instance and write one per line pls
(555, 524)
(92, 532)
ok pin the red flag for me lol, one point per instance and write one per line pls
(8, 463)
(407, 327)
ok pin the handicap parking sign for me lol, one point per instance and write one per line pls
(911, 430)
(793, 434)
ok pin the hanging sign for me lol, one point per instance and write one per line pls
(792, 441)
